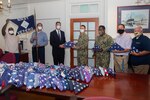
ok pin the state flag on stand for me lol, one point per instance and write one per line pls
(25, 24)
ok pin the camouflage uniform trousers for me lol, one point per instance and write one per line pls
(102, 59)
(82, 58)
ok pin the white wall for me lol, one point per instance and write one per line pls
(111, 9)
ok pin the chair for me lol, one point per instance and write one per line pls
(8, 58)
(100, 98)
(1, 53)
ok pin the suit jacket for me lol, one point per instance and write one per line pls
(55, 42)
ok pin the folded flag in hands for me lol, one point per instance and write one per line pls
(96, 48)
(115, 46)
(134, 50)
(69, 44)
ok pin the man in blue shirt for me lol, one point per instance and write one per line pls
(39, 40)
(140, 58)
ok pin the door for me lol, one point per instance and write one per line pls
(91, 30)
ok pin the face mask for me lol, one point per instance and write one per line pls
(120, 31)
(58, 27)
(39, 27)
(82, 30)
(11, 32)
(101, 33)
(137, 34)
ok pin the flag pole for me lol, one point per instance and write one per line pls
(36, 35)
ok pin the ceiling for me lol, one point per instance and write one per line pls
(16, 2)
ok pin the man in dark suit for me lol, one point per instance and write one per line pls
(57, 40)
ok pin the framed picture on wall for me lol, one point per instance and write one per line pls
(132, 16)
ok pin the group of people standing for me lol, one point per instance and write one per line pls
(39, 40)
(122, 58)
(138, 61)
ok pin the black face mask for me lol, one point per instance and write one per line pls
(120, 31)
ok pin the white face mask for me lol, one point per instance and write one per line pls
(11, 32)
(82, 30)
(137, 34)
(40, 28)
(58, 27)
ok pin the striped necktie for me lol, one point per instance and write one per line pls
(59, 35)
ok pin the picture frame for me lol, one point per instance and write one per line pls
(132, 16)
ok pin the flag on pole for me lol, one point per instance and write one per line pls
(25, 24)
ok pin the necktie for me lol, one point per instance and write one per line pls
(59, 35)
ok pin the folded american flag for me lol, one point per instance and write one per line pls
(30, 80)
(78, 87)
(111, 72)
(134, 49)
(102, 71)
(115, 46)
(42, 80)
(17, 77)
(88, 73)
(69, 44)
(5, 77)
(97, 72)
(96, 48)
(58, 83)
(36, 80)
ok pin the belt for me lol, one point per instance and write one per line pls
(37, 47)
(119, 55)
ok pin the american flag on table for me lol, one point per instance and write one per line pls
(29, 80)
(74, 74)
(20, 78)
(82, 76)
(51, 83)
(88, 73)
(43, 80)
(102, 71)
(78, 87)
(36, 80)
(111, 72)
(97, 71)
(58, 83)
(5, 77)
(37, 75)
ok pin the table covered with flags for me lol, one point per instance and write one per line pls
(37, 75)
(73, 83)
